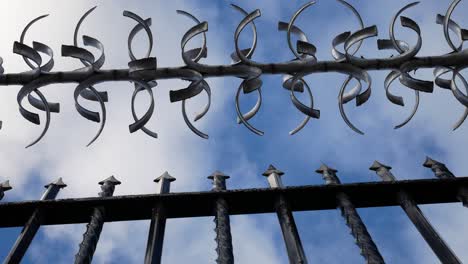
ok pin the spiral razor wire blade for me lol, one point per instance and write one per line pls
(144, 72)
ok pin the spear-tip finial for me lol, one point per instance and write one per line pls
(383, 171)
(328, 174)
(272, 169)
(219, 175)
(112, 180)
(429, 162)
(219, 180)
(59, 183)
(439, 168)
(324, 168)
(5, 186)
(377, 166)
(165, 176)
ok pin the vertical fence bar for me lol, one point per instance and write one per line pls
(364, 241)
(291, 236)
(32, 226)
(94, 227)
(223, 226)
(158, 223)
(427, 231)
(442, 172)
(4, 186)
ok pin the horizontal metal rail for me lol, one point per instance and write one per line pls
(247, 201)
(449, 60)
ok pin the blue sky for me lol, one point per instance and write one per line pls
(137, 159)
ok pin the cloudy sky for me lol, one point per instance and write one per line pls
(135, 159)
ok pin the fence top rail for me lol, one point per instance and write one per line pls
(242, 201)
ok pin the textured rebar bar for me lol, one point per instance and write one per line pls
(223, 233)
(427, 231)
(94, 227)
(223, 239)
(363, 239)
(144, 72)
(154, 246)
(91, 237)
(32, 226)
(359, 231)
(292, 240)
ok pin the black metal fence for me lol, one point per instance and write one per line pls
(221, 203)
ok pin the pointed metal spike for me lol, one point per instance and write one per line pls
(154, 246)
(328, 174)
(440, 170)
(166, 176)
(59, 182)
(218, 174)
(274, 177)
(409, 205)
(219, 180)
(383, 171)
(112, 180)
(377, 165)
(272, 169)
(5, 186)
(429, 162)
(324, 168)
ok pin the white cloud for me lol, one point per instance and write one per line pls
(134, 159)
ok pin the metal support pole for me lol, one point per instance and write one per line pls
(223, 226)
(442, 172)
(437, 244)
(364, 241)
(94, 227)
(286, 219)
(158, 223)
(4, 186)
(32, 226)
